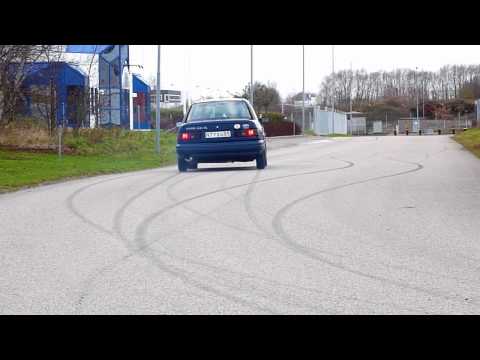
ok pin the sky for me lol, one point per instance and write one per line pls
(215, 70)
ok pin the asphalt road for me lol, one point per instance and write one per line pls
(368, 225)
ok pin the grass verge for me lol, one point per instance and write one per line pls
(470, 139)
(309, 132)
(93, 152)
(337, 135)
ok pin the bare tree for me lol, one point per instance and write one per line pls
(446, 84)
(13, 62)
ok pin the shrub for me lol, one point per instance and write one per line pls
(281, 128)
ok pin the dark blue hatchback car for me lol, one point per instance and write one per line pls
(216, 131)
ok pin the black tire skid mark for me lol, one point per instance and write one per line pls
(251, 214)
(210, 267)
(84, 293)
(260, 227)
(188, 277)
(115, 234)
(202, 214)
(217, 269)
(117, 219)
(111, 266)
(118, 234)
(141, 229)
(253, 219)
(399, 267)
(285, 239)
(171, 197)
(71, 204)
(236, 228)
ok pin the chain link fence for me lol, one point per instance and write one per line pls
(427, 126)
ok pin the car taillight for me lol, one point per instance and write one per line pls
(249, 132)
(185, 136)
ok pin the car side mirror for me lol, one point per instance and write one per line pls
(260, 118)
(179, 124)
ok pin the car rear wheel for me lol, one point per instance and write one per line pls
(193, 165)
(262, 160)
(182, 164)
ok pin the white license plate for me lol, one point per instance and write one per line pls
(217, 134)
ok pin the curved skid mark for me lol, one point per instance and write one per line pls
(117, 219)
(217, 269)
(71, 204)
(286, 240)
(207, 216)
(399, 267)
(143, 246)
(172, 270)
(209, 193)
(142, 227)
(187, 279)
(116, 234)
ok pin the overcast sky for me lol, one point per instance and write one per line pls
(223, 68)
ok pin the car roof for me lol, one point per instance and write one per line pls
(220, 99)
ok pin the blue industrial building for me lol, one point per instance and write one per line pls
(74, 101)
(141, 104)
(66, 83)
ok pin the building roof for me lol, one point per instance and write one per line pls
(41, 72)
(139, 85)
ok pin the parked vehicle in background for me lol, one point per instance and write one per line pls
(219, 131)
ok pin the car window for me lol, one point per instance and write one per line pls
(218, 110)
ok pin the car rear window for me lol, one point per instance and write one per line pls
(219, 110)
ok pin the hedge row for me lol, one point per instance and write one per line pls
(281, 128)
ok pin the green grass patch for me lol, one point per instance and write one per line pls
(309, 132)
(470, 139)
(338, 135)
(93, 152)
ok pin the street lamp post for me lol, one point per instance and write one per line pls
(251, 75)
(333, 88)
(423, 99)
(303, 91)
(416, 91)
(351, 111)
(157, 98)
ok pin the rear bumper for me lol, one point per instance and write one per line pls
(222, 151)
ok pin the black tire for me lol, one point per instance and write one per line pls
(193, 165)
(182, 164)
(262, 161)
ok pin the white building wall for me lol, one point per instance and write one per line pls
(323, 123)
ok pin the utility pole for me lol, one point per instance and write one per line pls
(293, 123)
(303, 91)
(333, 88)
(423, 98)
(351, 83)
(130, 97)
(416, 91)
(157, 98)
(251, 75)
